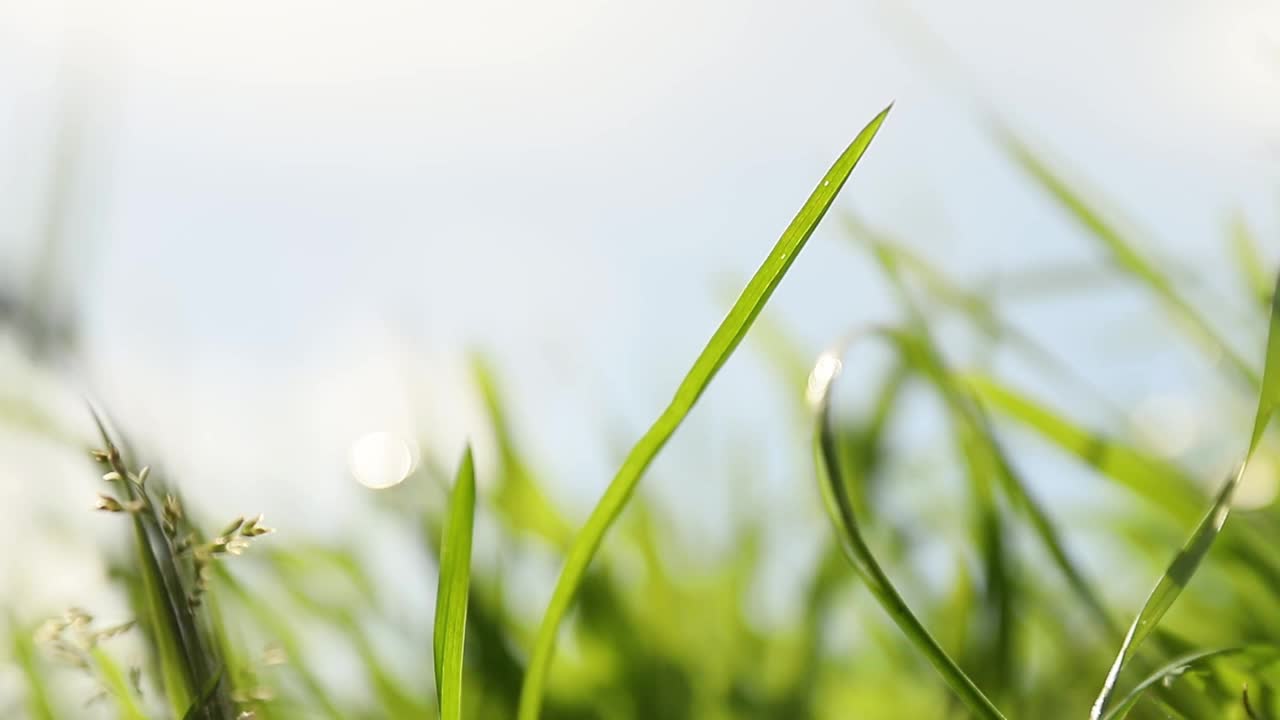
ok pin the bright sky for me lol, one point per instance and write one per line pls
(292, 217)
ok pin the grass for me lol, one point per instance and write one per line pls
(1025, 621)
(449, 635)
(726, 339)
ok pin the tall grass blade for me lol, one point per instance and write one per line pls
(836, 495)
(722, 344)
(1123, 253)
(1188, 559)
(188, 663)
(451, 597)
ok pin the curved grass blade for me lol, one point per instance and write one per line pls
(722, 344)
(1188, 559)
(451, 597)
(839, 506)
(982, 451)
(1123, 253)
(1167, 672)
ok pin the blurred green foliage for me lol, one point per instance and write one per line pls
(1017, 621)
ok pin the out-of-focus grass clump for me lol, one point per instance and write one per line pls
(1024, 625)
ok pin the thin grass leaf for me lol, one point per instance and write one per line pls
(117, 686)
(206, 704)
(982, 451)
(840, 508)
(394, 699)
(1156, 481)
(1123, 253)
(722, 344)
(293, 568)
(1269, 396)
(1171, 670)
(273, 621)
(1252, 267)
(1188, 559)
(517, 495)
(40, 704)
(451, 597)
(979, 309)
(171, 627)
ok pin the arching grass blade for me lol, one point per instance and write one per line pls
(1124, 253)
(1188, 559)
(840, 507)
(1165, 673)
(722, 344)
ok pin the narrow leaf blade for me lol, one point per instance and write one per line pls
(451, 596)
(722, 344)
(1186, 562)
(840, 508)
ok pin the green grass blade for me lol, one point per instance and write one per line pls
(1249, 261)
(39, 701)
(978, 308)
(1167, 672)
(983, 453)
(1188, 559)
(279, 628)
(1123, 253)
(1171, 584)
(722, 344)
(206, 704)
(1269, 397)
(1156, 481)
(189, 660)
(451, 597)
(166, 608)
(838, 503)
(117, 685)
(517, 495)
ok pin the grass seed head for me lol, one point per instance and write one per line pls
(106, 503)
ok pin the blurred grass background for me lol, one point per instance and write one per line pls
(253, 234)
